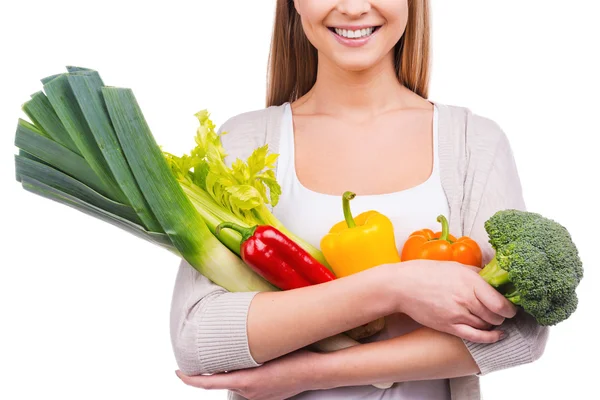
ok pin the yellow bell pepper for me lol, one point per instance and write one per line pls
(356, 244)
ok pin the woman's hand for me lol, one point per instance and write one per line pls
(281, 378)
(451, 297)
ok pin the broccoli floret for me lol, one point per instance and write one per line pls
(536, 265)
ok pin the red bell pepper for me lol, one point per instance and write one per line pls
(277, 258)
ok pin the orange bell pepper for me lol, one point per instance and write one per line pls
(442, 246)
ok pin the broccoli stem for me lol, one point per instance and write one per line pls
(516, 299)
(493, 274)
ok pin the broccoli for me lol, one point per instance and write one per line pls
(536, 265)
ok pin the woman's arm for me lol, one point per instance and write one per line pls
(445, 296)
(422, 354)
(214, 330)
(281, 322)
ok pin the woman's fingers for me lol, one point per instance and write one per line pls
(208, 382)
(494, 301)
(475, 321)
(477, 308)
(476, 335)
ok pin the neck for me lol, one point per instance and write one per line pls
(342, 92)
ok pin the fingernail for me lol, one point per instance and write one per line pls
(502, 335)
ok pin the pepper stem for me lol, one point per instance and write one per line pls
(445, 228)
(346, 197)
(245, 232)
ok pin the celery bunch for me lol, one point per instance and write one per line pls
(242, 193)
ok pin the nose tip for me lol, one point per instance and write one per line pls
(354, 7)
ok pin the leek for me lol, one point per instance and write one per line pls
(178, 217)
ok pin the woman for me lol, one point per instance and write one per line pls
(347, 88)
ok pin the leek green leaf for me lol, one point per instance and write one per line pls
(49, 78)
(57, 156)
(41, 113)
(86, 87)
(64, 103)
(63, 182)
(52, 193)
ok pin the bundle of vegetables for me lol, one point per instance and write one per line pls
(88, 146)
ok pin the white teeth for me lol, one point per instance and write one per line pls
(359, 33)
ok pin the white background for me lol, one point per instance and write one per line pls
(85, 306)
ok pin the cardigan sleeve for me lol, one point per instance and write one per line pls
(525, 339)
(208, 324)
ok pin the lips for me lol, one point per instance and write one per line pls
(354, 36)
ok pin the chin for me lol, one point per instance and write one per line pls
(356, 63)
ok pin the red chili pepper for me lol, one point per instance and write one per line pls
(277, 258)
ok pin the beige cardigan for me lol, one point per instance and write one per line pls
(479, 176)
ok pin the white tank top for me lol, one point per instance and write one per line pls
(310, 215)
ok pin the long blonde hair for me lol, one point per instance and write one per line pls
(293, 59)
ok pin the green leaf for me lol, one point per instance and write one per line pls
(257, 160)
(64, 103)
(271, 160)
(86, 87)
(274, 188)
(33, 128)
(41, 189)
(49, 78)
(245, 197)
(66, 184)
(71, 69)
(199, 175)
(57, 156)
(41, 113)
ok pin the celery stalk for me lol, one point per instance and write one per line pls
(213, 215)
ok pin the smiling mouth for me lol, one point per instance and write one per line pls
(355, 34)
